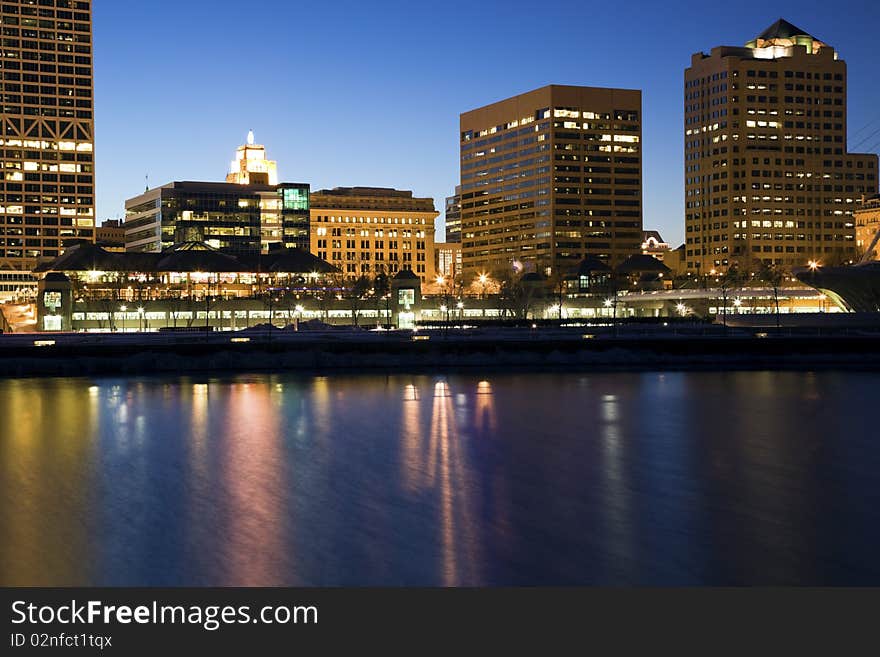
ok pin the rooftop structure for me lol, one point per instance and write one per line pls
(251, 166)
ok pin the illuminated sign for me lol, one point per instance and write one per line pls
(52, 301)
(406, 298)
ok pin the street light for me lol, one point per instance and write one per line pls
(141, 322)
(484, 280)
(123, 309)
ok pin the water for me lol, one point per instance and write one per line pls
(622, 478)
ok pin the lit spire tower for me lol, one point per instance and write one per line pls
(250, 166)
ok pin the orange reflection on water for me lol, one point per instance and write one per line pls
(485, 419)
(47, 429)
(199, 429)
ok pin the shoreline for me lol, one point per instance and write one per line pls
(519, 351)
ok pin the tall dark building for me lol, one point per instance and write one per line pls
(767, 174)
(549, 177)
(452, 216)
(47, 193)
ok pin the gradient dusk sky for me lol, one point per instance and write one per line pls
(369, 93)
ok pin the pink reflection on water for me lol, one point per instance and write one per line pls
(253, 546)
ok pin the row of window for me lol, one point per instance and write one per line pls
(365, 244)
(28, 110)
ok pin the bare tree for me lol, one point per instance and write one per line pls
(773, 276)
(356, 293)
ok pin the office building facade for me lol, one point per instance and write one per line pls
(365, 231)
(237, 219)
(47, 194)
(767, 172)
(549, 177)
(249, 213)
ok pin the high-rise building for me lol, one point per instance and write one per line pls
(47, 194)
(549, 177)
(365, 231)
(452, 216)
(767, 173)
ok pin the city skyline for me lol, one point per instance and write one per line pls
(360, 98)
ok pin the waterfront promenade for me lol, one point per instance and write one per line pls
(567, 348)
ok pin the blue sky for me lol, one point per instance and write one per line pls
(369, 93)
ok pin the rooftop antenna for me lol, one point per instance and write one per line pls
(147, 183)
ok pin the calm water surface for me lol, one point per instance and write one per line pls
(623, 478)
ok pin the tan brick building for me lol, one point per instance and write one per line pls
(767, 172)
(867, 219)
(549, 177)
(366, 231)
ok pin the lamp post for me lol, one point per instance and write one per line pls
(444, 309)
(122, 310)
(724, 307)
(141, 319)
(460, 306)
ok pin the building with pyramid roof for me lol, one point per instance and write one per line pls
(768, 177)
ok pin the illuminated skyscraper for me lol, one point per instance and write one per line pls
(47, 193)
(767, 174)
(250, 166)
(549, 177)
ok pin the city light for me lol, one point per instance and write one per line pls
(813, 265)
(682, 309)
(737, 302)
(609, 303)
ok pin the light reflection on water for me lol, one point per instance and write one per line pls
(627, 478)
